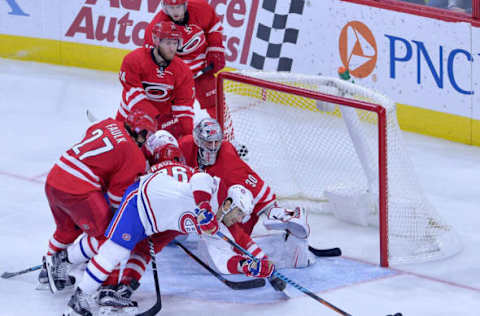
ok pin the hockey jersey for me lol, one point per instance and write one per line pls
(156, 89)
(165, 198)
(233, 170)
(201, 34)
(107, 159)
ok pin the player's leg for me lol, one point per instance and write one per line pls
(293, 220)
(124, 232)
(89, 212)
(138, 262)
(65, 234)
(286, 250)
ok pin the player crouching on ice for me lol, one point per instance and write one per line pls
(159, 203)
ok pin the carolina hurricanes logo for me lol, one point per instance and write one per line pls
(157, 91)
(188, 223)
(192, 44)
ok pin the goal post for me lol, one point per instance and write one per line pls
(334, 147)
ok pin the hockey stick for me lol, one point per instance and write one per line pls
(331, 252)
(8, 275)
(284, 278)
(240, 285)
(203, 71)
(158, 304)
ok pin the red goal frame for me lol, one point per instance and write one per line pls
(382, 135)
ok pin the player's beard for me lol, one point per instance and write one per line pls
(165, 54)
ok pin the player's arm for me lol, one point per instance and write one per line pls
(133, 94)
(260, 267)
(202, 189)
(182, 107)
(214, 36)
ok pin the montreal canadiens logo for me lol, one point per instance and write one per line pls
(126, 236)
(188, 223)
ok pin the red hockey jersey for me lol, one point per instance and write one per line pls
(156, 90)
(232, 170)
(201, 34)
(107, 159)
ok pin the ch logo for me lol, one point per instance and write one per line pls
(358, 49)
(16, 10)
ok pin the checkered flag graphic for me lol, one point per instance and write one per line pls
(275, 41)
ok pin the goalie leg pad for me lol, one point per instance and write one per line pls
(295, 221)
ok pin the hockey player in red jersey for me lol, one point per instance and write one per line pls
(105, 162)
(156, 81)
(201, 45)
(173, 200)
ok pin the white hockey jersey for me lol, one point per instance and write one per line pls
(165, 198)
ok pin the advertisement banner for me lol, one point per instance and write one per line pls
(428, 66)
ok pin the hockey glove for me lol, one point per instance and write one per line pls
(217, 59)
(206, 218)
(260, 268)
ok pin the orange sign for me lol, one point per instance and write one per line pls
(358, 49)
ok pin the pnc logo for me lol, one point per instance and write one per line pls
(358, 49)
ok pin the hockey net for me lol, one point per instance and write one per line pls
(334, 147)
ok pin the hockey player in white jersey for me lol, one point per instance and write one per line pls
(174, 198)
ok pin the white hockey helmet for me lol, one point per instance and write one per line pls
(242, 198)
(208, 136)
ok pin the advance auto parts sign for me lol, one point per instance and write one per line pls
(358, 49)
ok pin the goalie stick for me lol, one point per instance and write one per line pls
(284, 278)
(8, 275)
(331, 252)
(234, 285)
(158, 304)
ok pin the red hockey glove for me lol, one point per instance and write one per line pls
(171, 124)
(206, 219)
(260, 268)
(217, 59)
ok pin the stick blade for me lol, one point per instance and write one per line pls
(153, 310)
(332, 252)
(7, 275)
(246, 285)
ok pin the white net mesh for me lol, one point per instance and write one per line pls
(325, 157)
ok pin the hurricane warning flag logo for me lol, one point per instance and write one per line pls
(358, 49)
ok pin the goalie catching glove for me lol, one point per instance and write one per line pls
(206, 219)
(259, 268)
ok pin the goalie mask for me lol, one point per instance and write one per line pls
(208, 136)
(162, 146)
(241, 204)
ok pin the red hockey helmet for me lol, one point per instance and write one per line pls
(168, 152)
(162, 146)
(165, 29)
(139, 123)
(174, 2)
